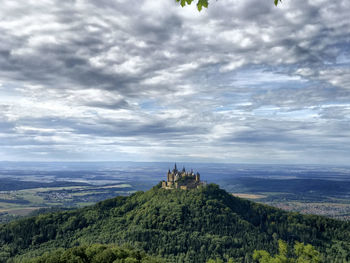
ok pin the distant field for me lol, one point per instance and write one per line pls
(25, 201)
(335, 208)
(20, 211)
(249, 196)
(323, 190)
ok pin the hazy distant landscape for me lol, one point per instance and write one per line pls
(27, 187)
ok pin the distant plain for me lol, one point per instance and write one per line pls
(28, 187)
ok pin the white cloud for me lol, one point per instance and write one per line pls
(243, 81)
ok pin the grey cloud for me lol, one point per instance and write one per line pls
(261, 136)
(154, 129)
(6, 127)
(109, 105)
(336, 112)
(189, 67)
(299, 98)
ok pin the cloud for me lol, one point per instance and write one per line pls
(242, 81)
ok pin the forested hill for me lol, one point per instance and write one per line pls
(178, 225)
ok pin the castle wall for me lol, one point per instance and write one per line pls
(197, 177)
(191, 180)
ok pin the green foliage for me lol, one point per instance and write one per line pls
(306, 253)
(180, 226)
(200, 3)
(302, 254)
(205, 3)
(276, 2)
(218, 260)
(96, 253)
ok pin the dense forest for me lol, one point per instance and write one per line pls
(96, 253)
(176, 225)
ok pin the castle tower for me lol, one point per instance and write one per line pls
(175, 168)
(168, 176)
(198, 177)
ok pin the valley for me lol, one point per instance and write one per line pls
(28, 187)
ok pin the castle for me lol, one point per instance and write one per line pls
(181, 180)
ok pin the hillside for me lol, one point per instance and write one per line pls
(178, 225)
(96, 253)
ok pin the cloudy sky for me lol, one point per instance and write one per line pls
(241, 82)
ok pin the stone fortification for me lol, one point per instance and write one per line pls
(181, 179)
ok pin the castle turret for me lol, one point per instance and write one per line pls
(175, 168)
(198, 177)
(169, 176)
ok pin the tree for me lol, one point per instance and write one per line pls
(306, 253)
(230, 260)
(205, 3)
(303, 254)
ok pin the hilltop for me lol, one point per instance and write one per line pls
(178, 225)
